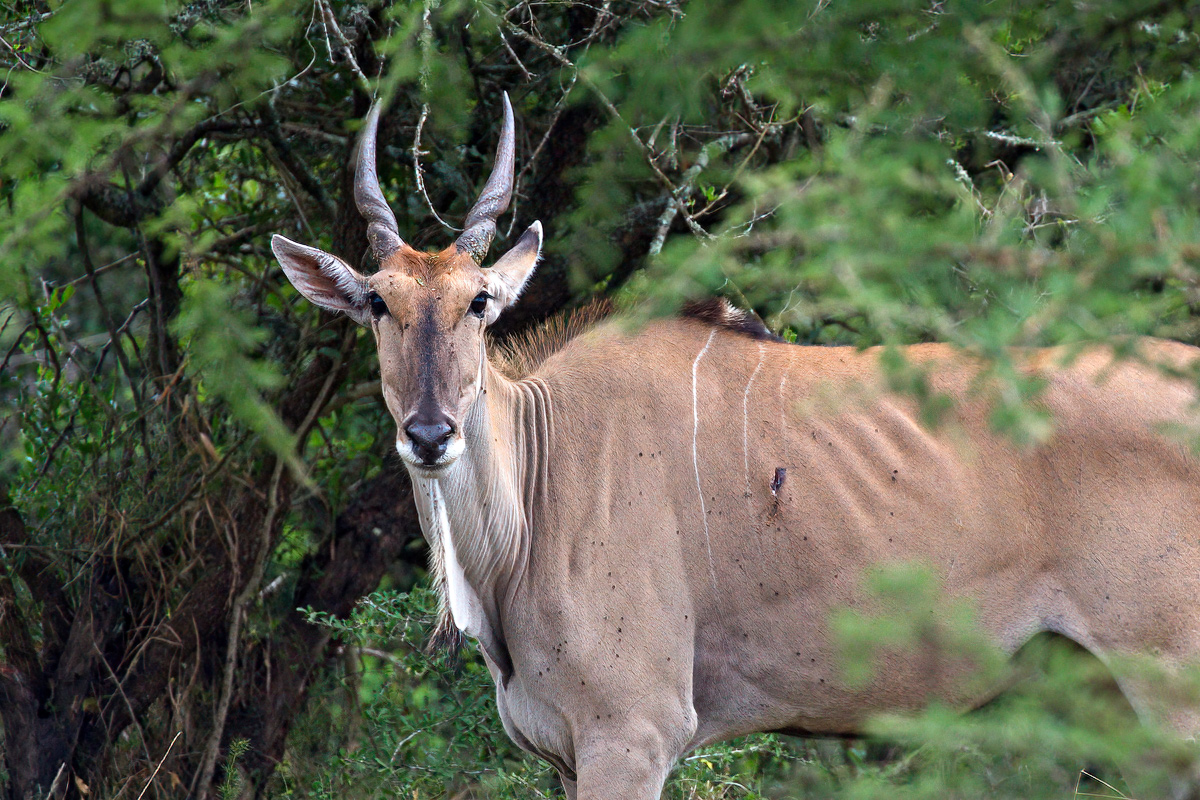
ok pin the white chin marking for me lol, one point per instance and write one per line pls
(453, 450)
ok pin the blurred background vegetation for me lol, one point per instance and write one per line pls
(212, 575)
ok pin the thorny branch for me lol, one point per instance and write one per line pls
(677, 196)
(416, 157)
(558, 55)
(330, 22)
(678, 199)
(106, 315)
(20, 60)
(294, 166)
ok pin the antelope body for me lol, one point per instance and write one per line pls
(648, 530)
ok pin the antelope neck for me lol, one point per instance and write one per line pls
(477, 515)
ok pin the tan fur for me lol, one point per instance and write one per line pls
(648, 529)
(641, 586)
(660, 608)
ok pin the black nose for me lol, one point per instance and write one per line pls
(429, 439)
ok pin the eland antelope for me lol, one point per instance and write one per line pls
(647, 529)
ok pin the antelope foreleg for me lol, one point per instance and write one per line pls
(627, 765)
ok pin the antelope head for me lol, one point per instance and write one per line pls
(428, 311)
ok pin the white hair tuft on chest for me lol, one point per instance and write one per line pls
(463, 601)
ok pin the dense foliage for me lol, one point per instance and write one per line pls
(199, 491)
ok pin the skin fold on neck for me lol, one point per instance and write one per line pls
(476, 514)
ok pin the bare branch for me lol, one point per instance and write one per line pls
(181, 148)
(416, 157)
(249, 590)
(17, 56)
(297, 168)
(687, 185)
(528, 75)
(331, 25)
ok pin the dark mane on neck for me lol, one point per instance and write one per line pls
(718, 311)
(525, 352)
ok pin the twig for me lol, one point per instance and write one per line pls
(54, 784)
(160, 763)
(287, 82)
(62, 437)
(102, 270)
(654, 133)
(646, 152)
(406, 739)
(755, 218)
(416, 157)
(182, 147)
(1021, 141)
(27, 22)
(529, 76)
(191, 491)
(209, 763)
(680, 195)
(602, 14)
(298, 170)
(673, 147)
(670, 211)
(316, 133)
(962, 177)
(271, 587)
(285, 173)
(125, 697)
(113, 332)
(330, 22)
(17, 55)
(425, 40)
(16, 343)
(1079, 781)
(557, 54)
(133, 313)
(739, 139)
(250, 588)
(690, 220)
(559, 107)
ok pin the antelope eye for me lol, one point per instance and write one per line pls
(378, 307)
(479, 304)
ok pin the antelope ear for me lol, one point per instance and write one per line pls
(508, 276)
(323, 278)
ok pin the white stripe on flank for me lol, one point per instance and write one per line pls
(696, 456)
(746, 417)
(783, 409)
